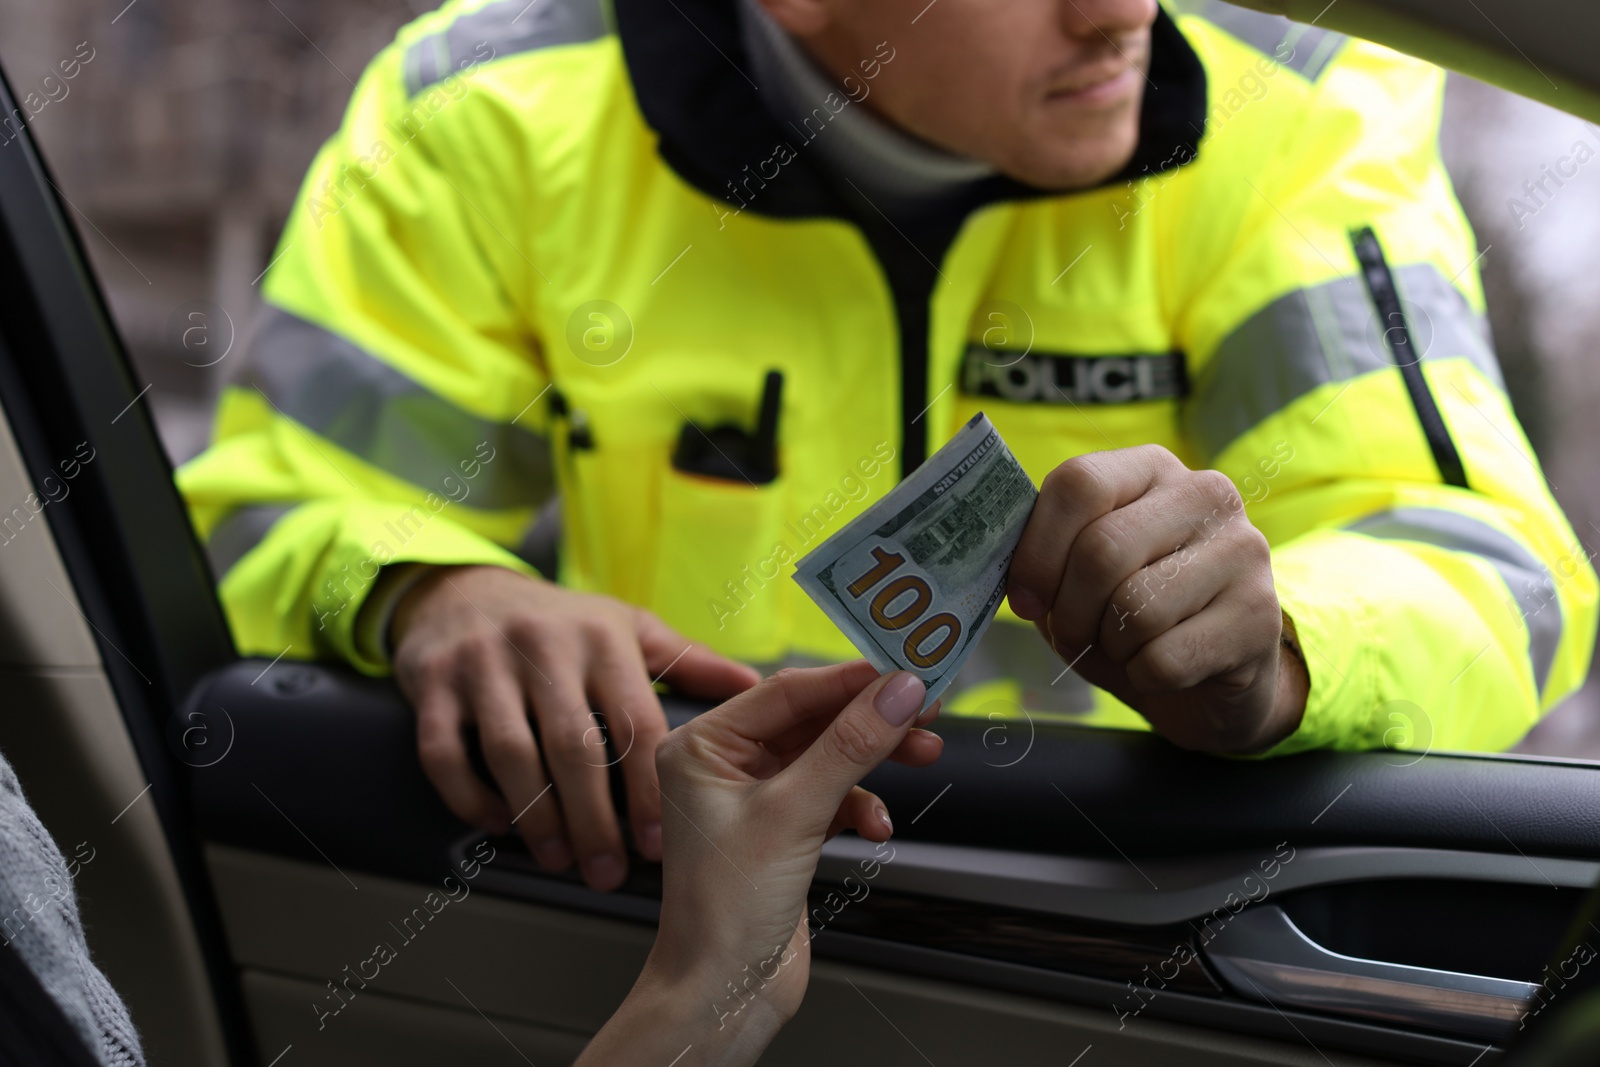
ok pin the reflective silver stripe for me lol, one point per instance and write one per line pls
(240, 531)
(367, 407)
(1529, 580)
(1326, 333)
(499, 30)
(1309, 49)
(541, 541)
(1314, 48)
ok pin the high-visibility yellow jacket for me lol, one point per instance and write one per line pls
(546, 239)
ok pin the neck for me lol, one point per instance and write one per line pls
(825, 116)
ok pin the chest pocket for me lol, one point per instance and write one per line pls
(718, 574)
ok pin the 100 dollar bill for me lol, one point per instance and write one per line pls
(915, 580)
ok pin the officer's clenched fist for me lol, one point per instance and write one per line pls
(491, 647)
(1150, 579)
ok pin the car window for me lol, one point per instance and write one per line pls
(179, 135)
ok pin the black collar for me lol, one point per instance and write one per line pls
(692, 80)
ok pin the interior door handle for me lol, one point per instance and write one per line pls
(1264, 956)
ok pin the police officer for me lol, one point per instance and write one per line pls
(720, 272)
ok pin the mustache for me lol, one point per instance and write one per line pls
(1106, 58)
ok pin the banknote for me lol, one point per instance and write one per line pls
(915, 580)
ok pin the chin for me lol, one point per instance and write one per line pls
(1081, 155)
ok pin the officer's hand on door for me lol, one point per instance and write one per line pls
(1149, 578)
(491, 647)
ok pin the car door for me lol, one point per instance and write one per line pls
(281, 886)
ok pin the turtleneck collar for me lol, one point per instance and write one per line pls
(899, 173)
(690, 72)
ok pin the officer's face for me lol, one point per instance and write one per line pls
(1048, 91)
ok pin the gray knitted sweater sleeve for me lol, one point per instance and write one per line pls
(39, 921)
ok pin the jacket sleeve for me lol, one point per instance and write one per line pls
(1431, 614)
(386, 414)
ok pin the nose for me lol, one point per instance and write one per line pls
(1090, 19)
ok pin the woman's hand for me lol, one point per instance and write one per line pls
(750, 791)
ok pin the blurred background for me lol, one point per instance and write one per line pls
(181, 139)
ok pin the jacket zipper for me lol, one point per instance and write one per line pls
(1397, 335)
(909, 256)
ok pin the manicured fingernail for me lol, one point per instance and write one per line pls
(553, 854)
(883, 817)
(605, 871)
(1025, 604)
(900, 699)
(650, 840)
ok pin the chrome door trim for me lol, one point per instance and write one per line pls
(1265, 957)
(1151, 892)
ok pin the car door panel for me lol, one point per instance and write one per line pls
(1093, 908)
(296, 925)
(395, 1031)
